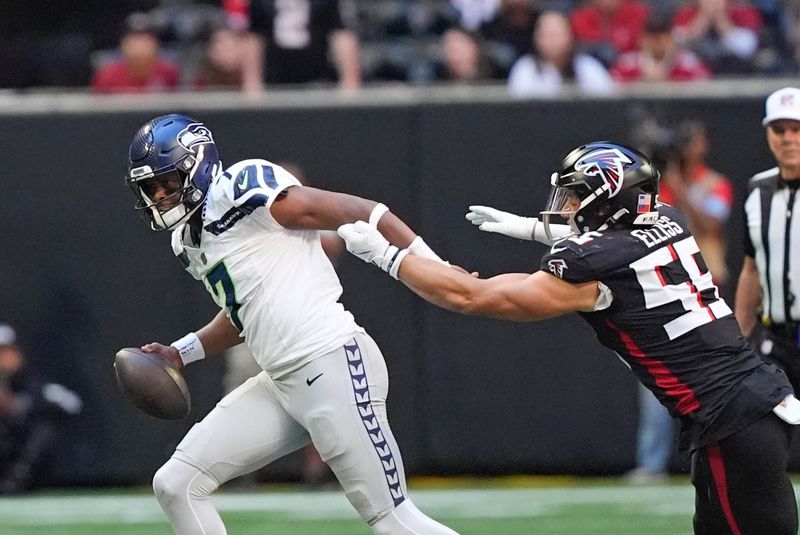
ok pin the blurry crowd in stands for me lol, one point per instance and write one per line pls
(535, 46)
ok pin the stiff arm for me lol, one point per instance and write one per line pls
(512, 296)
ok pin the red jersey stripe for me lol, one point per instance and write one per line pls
(665, 380)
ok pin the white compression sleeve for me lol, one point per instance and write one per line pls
(558, 232)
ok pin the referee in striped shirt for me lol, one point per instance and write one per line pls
(768, 291)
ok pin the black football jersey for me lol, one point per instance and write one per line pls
(297, 33)
(670, 326)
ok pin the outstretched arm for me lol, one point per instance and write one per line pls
(524, 228)
(513, 296)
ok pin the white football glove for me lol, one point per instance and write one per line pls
(367, 243)
(493, 220)
(523, 228)
(418, 247)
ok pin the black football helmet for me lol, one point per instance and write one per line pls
(600, 185)
(171, 162)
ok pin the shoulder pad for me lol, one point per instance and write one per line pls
(256, 178)
(567, 258)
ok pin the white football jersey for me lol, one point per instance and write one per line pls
(275, 284)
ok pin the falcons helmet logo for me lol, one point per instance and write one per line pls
(608, 163)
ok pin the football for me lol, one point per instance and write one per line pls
(152, 383)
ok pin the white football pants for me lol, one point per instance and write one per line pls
(338, 402)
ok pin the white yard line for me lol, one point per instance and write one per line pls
(456, 503)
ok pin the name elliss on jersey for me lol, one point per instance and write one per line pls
(661, 231)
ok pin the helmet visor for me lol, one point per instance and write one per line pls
(562, 203)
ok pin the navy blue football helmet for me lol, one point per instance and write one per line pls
(171, 162)
(603, 184)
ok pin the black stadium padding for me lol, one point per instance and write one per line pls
(81, 276)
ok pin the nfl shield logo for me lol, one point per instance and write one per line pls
(643, 206)
(787, 100)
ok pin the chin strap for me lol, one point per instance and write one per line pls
(611, 221)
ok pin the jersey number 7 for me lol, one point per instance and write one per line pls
(223, 290)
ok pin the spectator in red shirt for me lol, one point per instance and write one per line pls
(659, 58)
(607, 28)
(704, 195)
(140, 69)
(722, 32)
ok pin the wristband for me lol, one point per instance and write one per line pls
(190, 348)
(390, 260)
(418, 247)
(376, 214)
(393, 263)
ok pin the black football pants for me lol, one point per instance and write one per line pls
(741, 483)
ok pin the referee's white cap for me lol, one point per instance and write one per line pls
(783, 104)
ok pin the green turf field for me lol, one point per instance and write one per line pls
(563, 507)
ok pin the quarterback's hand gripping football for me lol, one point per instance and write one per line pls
(493, 220)
(367, 243)
(168, 353)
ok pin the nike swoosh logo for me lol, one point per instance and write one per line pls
(243, 183)
(309, 382)
(555, 250)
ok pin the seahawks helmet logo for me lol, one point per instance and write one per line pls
(194, 134)
(609, 164)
